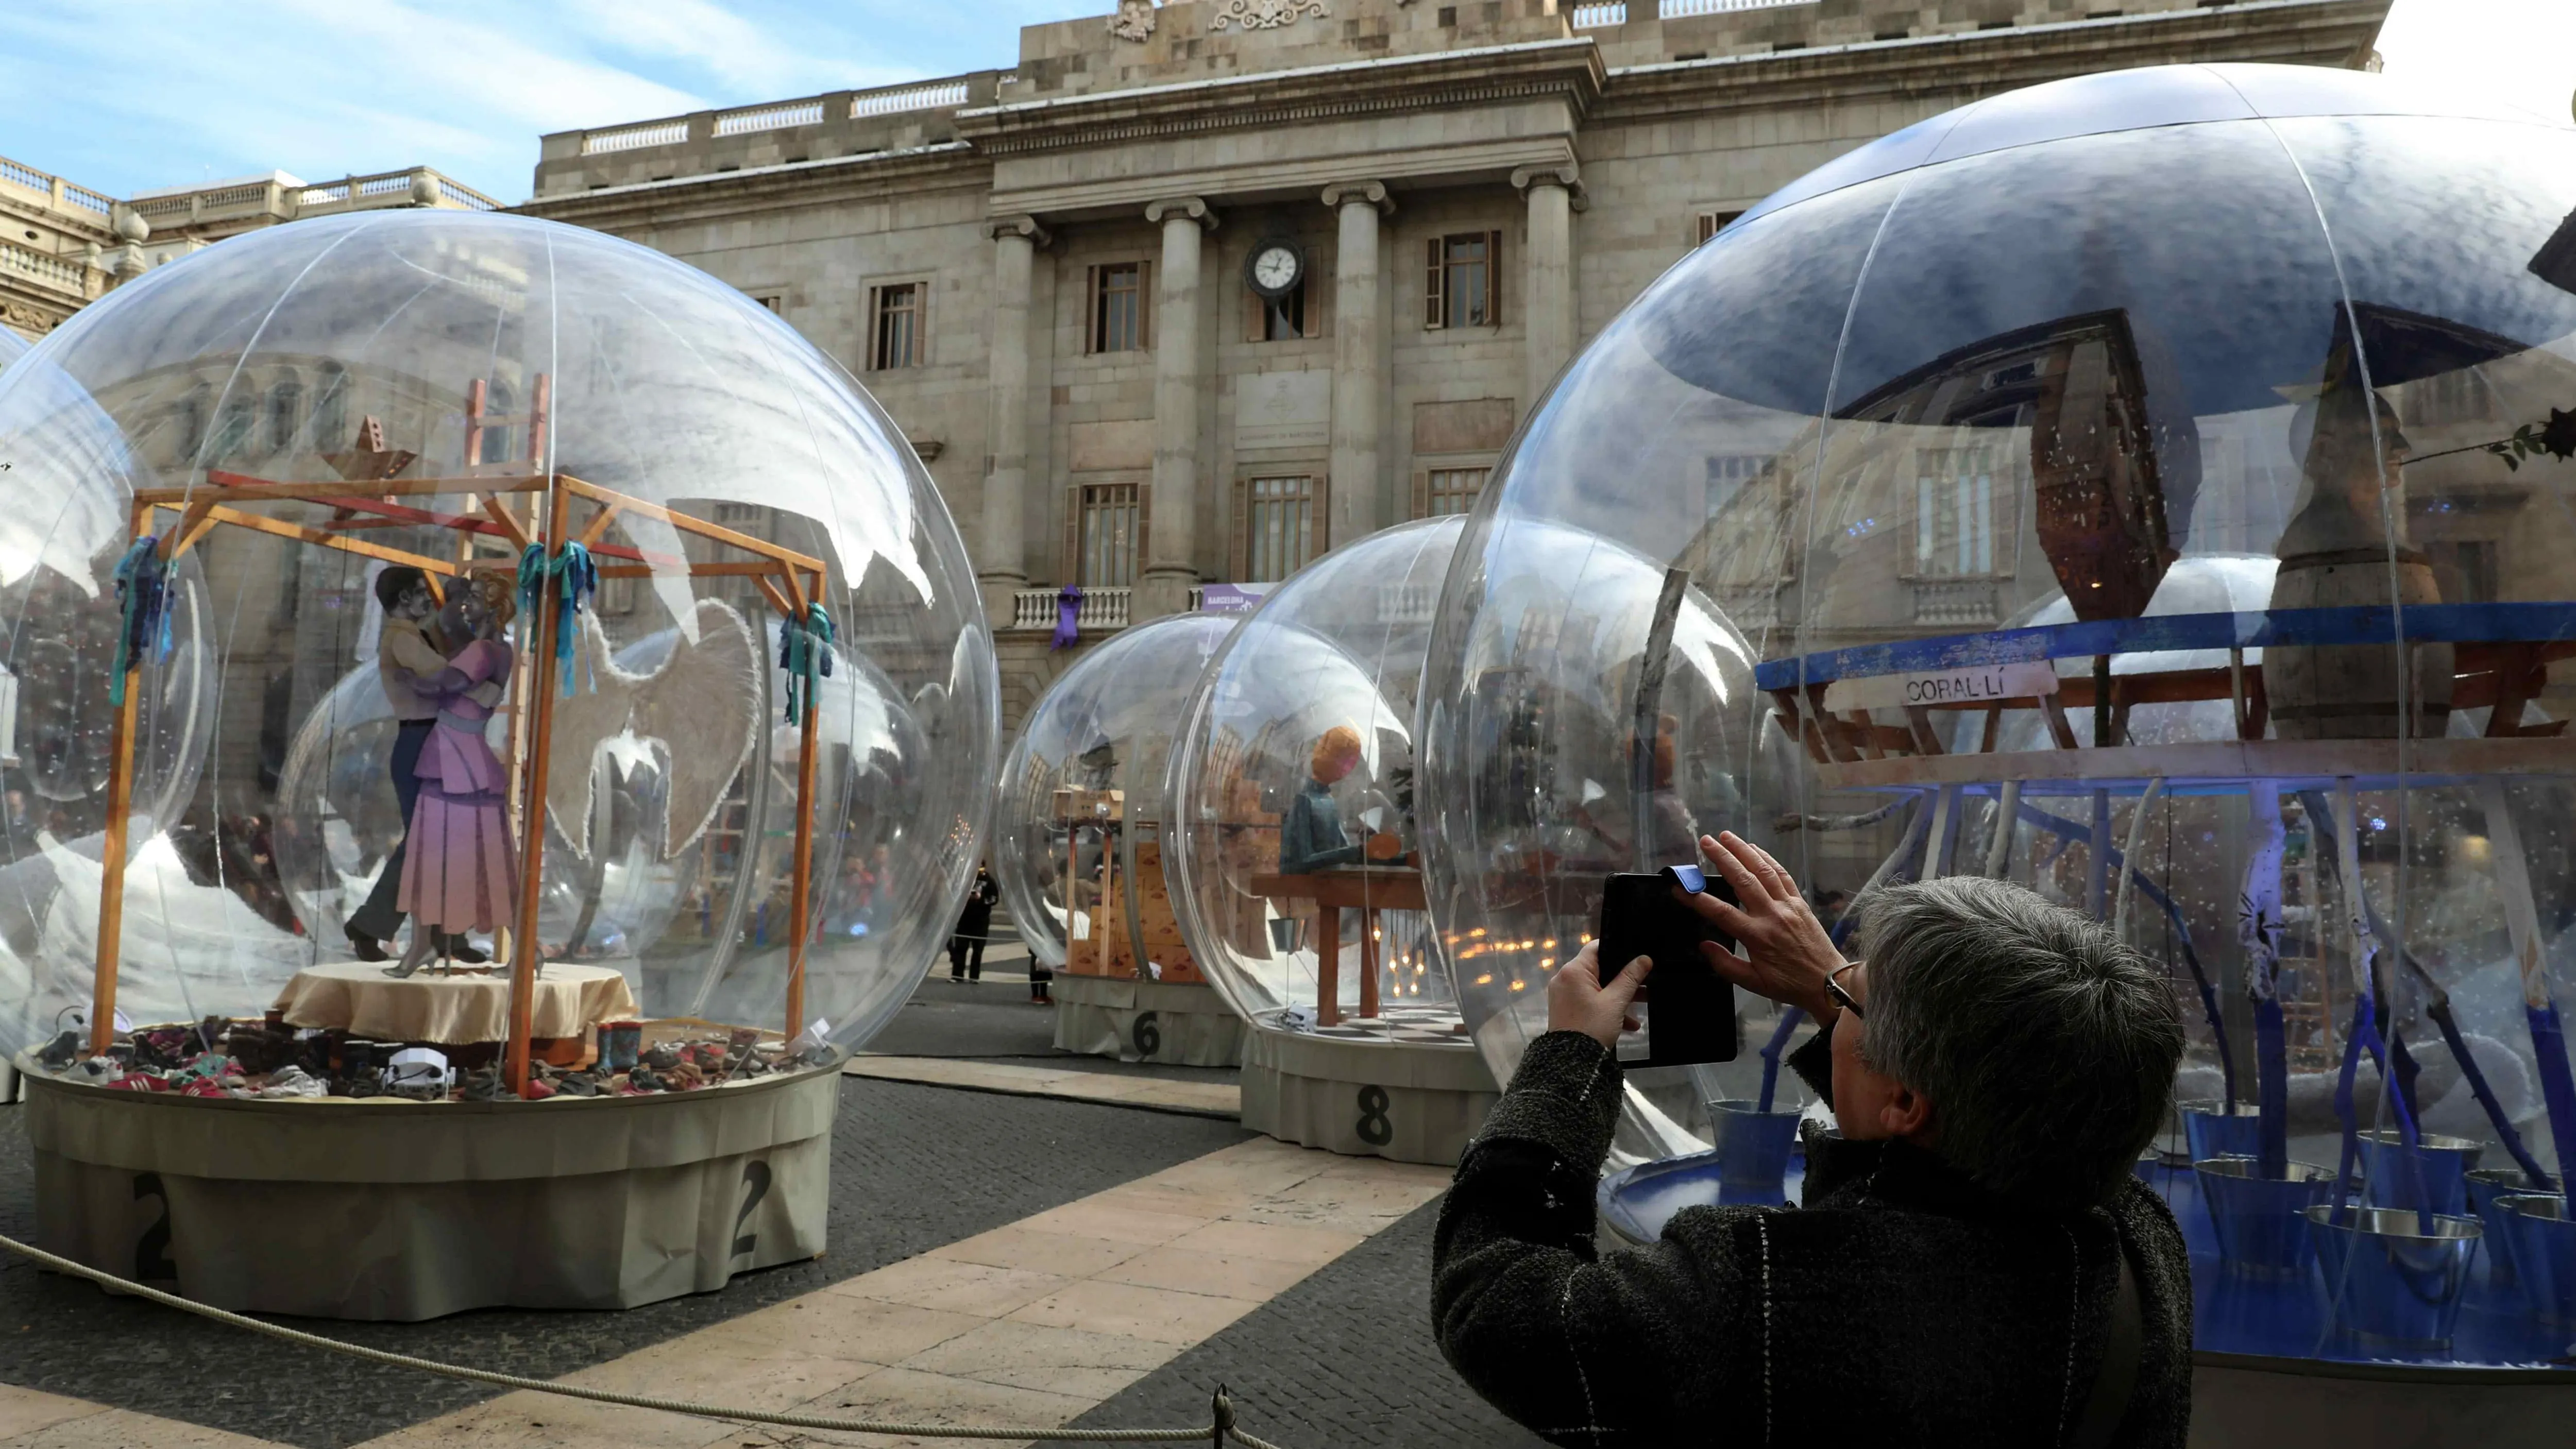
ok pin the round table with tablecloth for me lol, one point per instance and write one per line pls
(451, 1010)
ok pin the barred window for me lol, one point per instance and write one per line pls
(1119, 308)
(1453, 490)
(1463, 287)
(1954, 511)
(1109, 518)
(895, 334)
(1282, 524)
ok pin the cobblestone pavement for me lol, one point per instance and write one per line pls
(914, 1168)
(1343, 1360)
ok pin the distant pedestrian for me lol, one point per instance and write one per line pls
(966, 948)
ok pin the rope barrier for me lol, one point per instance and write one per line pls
(1220, 1431)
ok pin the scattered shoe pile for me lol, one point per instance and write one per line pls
(269, 1060)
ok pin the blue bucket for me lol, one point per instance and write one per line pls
(2488, 1186)
(2256, 1219)
(2544, 1253)
(2214, 1132)
(2436, 1177)
(1752, 1151)
(2389, 1280)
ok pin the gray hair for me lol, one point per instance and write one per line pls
(2046, 1047)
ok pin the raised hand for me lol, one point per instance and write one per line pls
(1786, 952)
(1579, 1000)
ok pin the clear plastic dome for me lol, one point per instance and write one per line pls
(490, 358)
(2173, 466)
(1082, 801)
(1293, 783)
(12, 347)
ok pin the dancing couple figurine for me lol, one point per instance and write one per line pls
(459, 867)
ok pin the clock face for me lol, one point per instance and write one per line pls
(1275, 268)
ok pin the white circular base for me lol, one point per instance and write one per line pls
(1145, 1021)
(383, 1209)
(1408, 1101)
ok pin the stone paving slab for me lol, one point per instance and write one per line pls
(1342, 1357)
(1031, 1323)
(1080, 1084)
(914, 1169)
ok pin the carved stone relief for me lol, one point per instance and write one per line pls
(1134, 20)
(1265, 14)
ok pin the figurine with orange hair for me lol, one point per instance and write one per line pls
(1311, 837)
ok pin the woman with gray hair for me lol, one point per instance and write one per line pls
(1975, 1262)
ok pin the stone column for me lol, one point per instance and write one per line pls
(1547, 289)
(1171, 551)
(1359, 361)
(1002, 545)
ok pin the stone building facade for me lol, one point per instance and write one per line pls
(1192, 293)
(63, 245)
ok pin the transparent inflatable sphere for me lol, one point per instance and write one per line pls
(1296, 760)
(373, 353)
(1081, 807)
(2151, 488)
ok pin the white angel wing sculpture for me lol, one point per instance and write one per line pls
(702, 706)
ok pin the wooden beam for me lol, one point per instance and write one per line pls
(684, 569)
(193, 526)
(261, 523)
(506, 522)
(777, 600)
(688, 524)
(540, 699)
(120, 804)
(599, 526)
(800, 883)
(243, 488)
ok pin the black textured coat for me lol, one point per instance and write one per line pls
(1902, 1305)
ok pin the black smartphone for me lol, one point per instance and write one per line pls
(1690, 1009)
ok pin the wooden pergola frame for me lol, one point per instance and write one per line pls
(789, 580)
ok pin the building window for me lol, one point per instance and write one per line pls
(499, 437)
(2449, 397)
(285, 412)
(1453, 490)
(2466, 570)
(1728, 473)
(1954, 511)
(331, 409)
(774, 301)
(1119, 308)
(233, 429)
(1281, 517)
(1111, 515)
(1283, 318)
(616, 596)
(1465, 286)
(1713, 222)
(895, 336)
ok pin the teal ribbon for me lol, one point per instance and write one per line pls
(805, 652)
(143, 594)
(572, 577)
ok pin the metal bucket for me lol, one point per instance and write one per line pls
(2544, 1253)
(2434, 1176)
(1752, 1151)
(2390, 1280)
(2489, 1186)
(2256, 1219)
(2213, 1132)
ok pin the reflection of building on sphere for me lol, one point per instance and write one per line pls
(577, 470)
(2201, 572)
(1081, 833)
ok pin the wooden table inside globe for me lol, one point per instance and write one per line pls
(1366, 889)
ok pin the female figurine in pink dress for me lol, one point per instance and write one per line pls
(460, 870)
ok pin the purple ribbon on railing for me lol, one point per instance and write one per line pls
(1068, 606)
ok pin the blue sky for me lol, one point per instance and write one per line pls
(121, 95)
